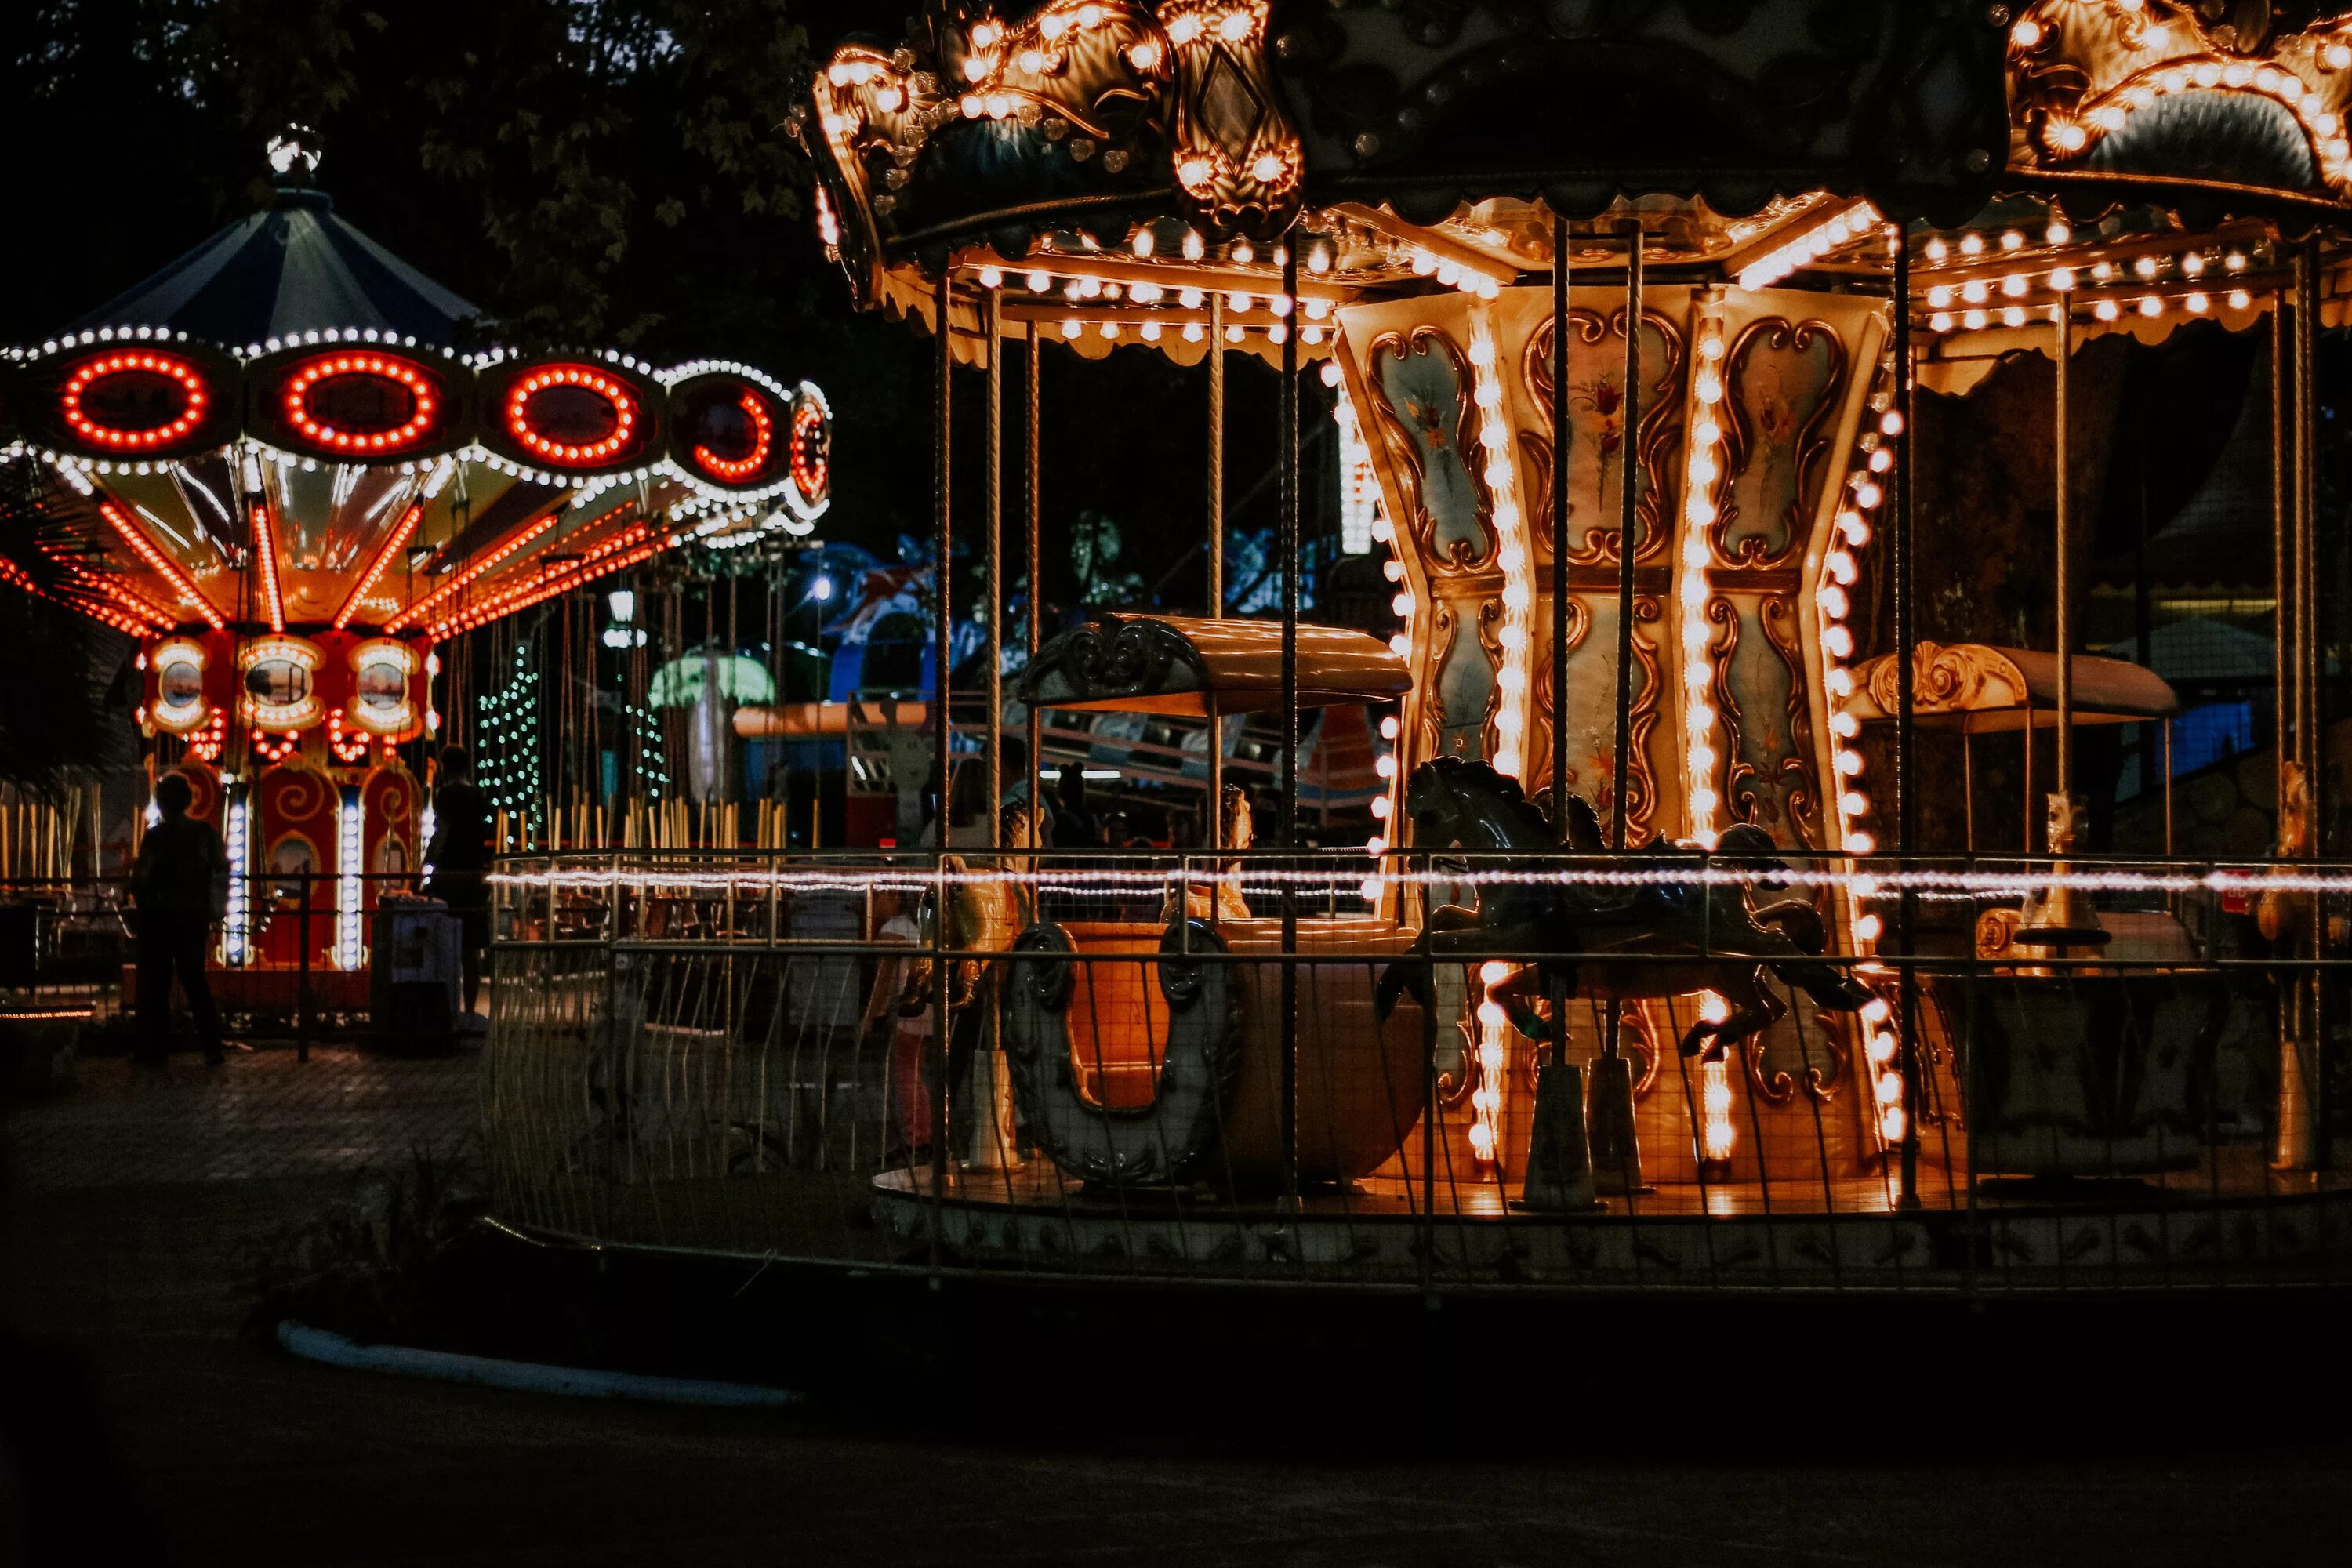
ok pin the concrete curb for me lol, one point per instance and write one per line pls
(529, 1377)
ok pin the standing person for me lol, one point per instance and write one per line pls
(1075, 826)
(180, 884)
(459, 860)
(898, 1012)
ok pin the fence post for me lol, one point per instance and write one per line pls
(302, 986)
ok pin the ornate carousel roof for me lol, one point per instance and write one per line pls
(1122, 170)
(279, 431)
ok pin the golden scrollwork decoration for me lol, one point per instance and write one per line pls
(1799, 778)
(2079, 71)
(1404, 448)
(1743, 443)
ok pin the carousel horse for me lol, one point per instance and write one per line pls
(983, 917)
(2290, 917)
(1710, 936)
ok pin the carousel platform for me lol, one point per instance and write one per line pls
(2231, 1219)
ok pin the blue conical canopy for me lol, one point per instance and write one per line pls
(293, 268)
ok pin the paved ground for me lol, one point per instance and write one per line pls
(260, 1114)
(134, 1199)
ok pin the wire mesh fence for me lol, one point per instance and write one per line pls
(1447, 1071)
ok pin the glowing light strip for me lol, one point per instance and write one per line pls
(1832, 604)
(1511, 714)
(599, 563)
(1719, 1136)
(1702, 471)
(89, 586)
(1486, 1099)
(161, 566)
(351, 819)
(236, 935)
(1812, 246)
(514, 542)
(407, 526)
(1359, 491)
(265, 547)
(1870, 884)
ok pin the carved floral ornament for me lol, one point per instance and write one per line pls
(1147, 99)
(2154, 89)
(1954, 680)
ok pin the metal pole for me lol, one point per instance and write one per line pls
(2064, 340)
(1287, 457)
(942, 605)
(1559, 439)
(2306, 510)
(1216, 811)
(1629, 523)
(2307, 447)
(1031, 478)
(995, 761)
(1216, 454)
(1906, 793)
(302, 986)
(2285, 636)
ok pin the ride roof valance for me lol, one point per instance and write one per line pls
(281, 431)
(1185, 665)
(1118, 168)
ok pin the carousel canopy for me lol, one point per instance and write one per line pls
(277, 433)
(1989, 690)
(282, 271)
(1184, 665)
(1126, 173)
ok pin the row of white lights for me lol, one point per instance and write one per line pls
(1816, 242)
(1865, 491)
(1702, 471)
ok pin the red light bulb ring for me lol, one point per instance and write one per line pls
(422, 410)
(735, 470)
(808, 463)
(192, 408)
(584, 454)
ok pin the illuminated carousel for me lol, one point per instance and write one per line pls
(1630, 317)
(275, 465)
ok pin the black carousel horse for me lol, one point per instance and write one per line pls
(1678, 937)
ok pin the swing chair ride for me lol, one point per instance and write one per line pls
(280, 465)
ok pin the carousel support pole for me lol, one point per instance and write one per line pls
(1031, 785)
(1216, 813)
(2306, 447)
(2297, 1145)
(1561, 433)
(992, 1129)
(2064, 614)
(942, 609)
(1559, 439)
(1906, 792)
(1288, 459)
(1559, 1158)
(1616, 1150)
(1629, 526)
(996, 601)
(2066, 921)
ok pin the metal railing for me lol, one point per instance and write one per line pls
(689, 1049)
